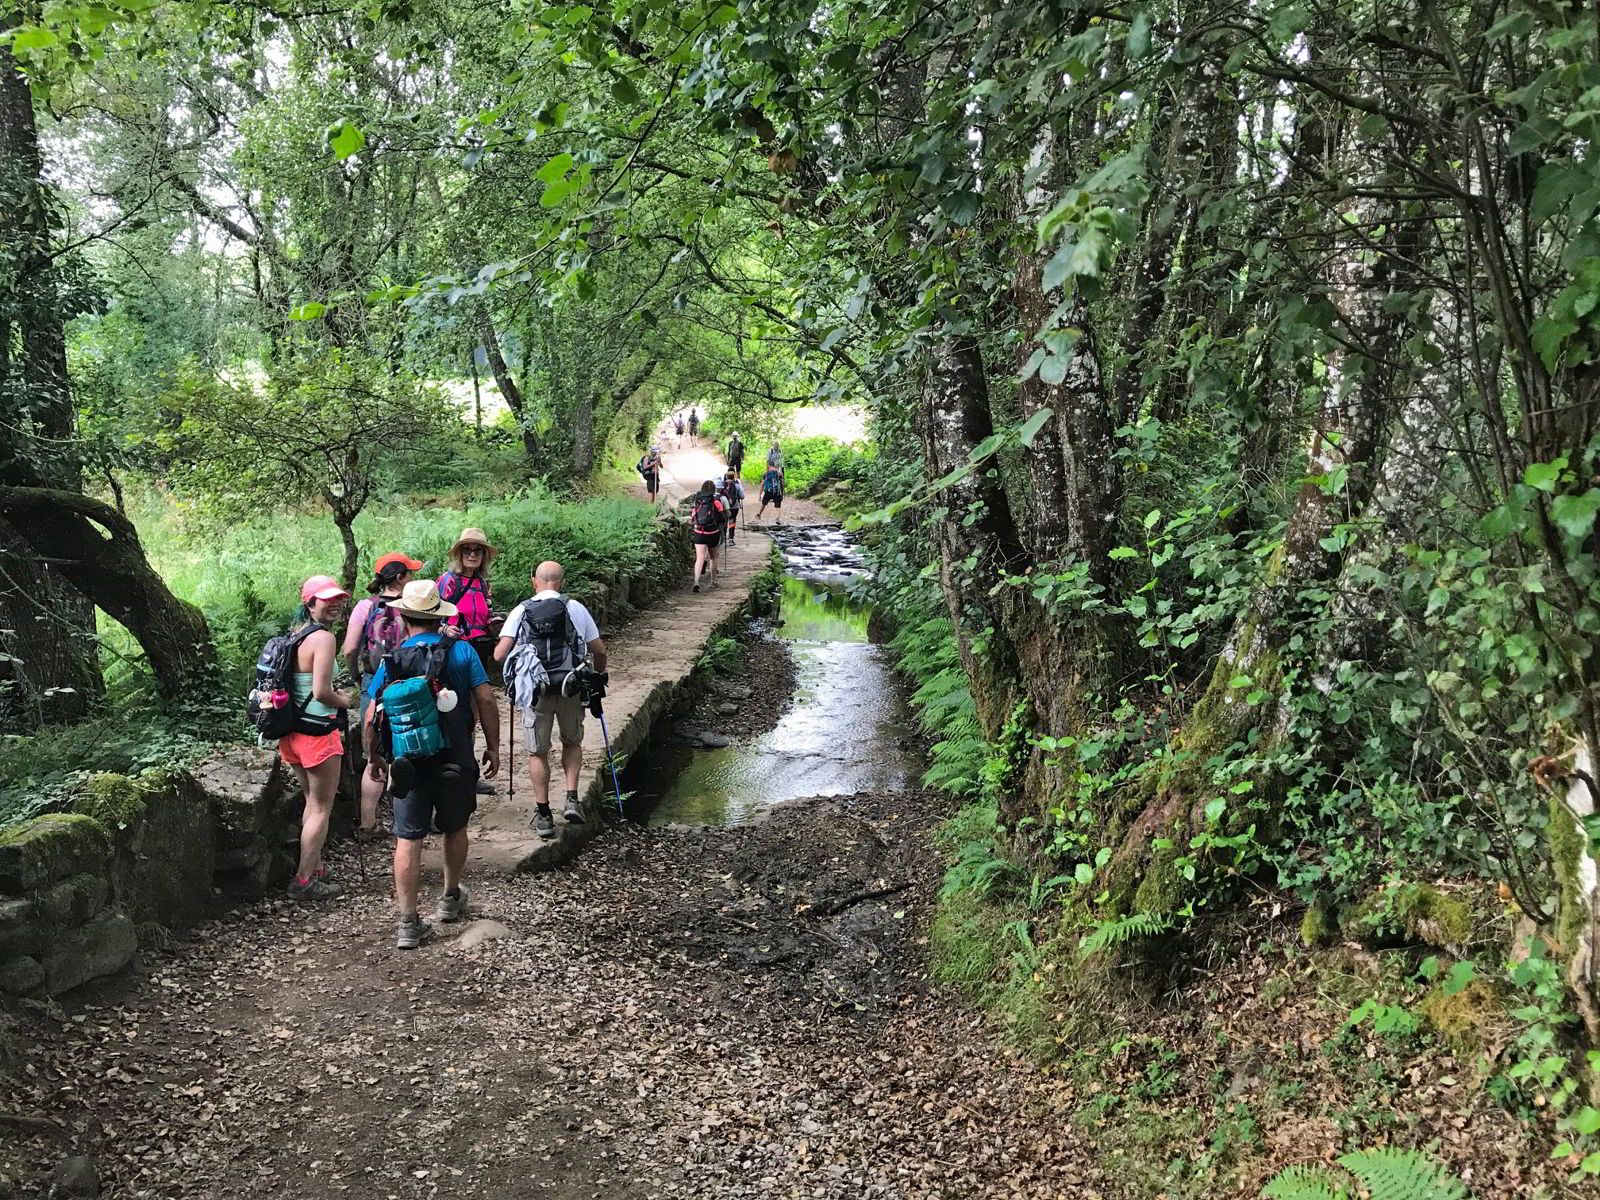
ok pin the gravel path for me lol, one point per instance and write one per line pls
(706, 1013)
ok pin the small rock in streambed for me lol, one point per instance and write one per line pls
(712, 741)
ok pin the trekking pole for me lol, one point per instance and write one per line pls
(605, 736)
(511, 749)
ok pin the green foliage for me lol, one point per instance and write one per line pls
(720, 656)
(1301, 1182)
(1120, 931)
(810, 459)
(1385, 1173)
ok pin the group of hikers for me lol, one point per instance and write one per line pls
(714, 514)
(420, 653)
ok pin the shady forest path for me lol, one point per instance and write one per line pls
(735, 1012)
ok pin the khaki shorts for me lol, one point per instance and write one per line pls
(555, 708)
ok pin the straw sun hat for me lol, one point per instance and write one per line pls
(475, 537)
(420, 598)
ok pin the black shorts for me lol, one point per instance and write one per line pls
(438, 798)
(773, 498)
(707, 539)
(652, 481)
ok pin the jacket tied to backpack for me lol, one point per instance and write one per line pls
(545, 651)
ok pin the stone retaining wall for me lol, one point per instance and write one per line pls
(164, 849)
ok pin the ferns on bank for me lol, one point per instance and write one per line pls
(1385, 1173)
(1123, 930)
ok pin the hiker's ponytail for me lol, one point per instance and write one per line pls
(301, 618)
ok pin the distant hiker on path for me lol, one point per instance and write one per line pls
(694, 424)
(425, 694)
(650, 467)
(731, 493)
(376, 629)
(315, 748)
(775, 457)
(735, 454)
(548, 636)
(466, 587)
(772, 490)
(708, 519)
(678, 425)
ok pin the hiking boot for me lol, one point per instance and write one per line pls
(314, 888)
(544, 824)
(402, 775)
(697, 589)
(411, 933)
(483, 787)
(572, 814)
(714, 582)
(449, 910)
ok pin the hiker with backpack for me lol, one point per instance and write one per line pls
(650, 467)
(424, 695)
(772, 489)
(735, 455)
(465, 586)
(694, 424)
(678, 427)
(543, 643)
(374, 630)
(708, 518)
(731, 493)
(295, 702)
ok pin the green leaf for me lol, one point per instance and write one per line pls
(1215, 809)
(1139, 34)
(1575, 514)
(556, 192)
(1030, 428)
(1123, 552)
(1586, 1120)
(309, 311)
(1461, 974)
(960, 207)
(1544, 475)
(32, 39)
(555, 169)
(345, 139)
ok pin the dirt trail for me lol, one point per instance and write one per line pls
(734, 1013)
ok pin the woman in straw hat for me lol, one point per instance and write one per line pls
(466, 586)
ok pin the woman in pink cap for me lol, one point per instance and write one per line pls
(315, 749)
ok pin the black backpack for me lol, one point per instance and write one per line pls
(708, 516)
(270, 705)
(547, 626)
(640, 467)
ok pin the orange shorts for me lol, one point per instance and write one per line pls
(310, 749)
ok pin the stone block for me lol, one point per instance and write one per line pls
(166, 852)
(70, 902)
(245, 789)
(249, 882)
(105, 945)
(49, 848)
(22, 976)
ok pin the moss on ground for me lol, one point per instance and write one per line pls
(1467, 1020)
(1416, 910)
(1318, 927)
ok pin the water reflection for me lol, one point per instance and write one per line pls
(842, 734)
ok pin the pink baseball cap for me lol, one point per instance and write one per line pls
(322, 587)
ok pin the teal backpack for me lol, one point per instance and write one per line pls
(410, 710)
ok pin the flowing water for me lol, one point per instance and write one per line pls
(846, 730)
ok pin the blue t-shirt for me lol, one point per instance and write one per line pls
(463, 669)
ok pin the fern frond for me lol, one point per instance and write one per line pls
(1301, 1182)
(1122, 930)
(1391, 1174)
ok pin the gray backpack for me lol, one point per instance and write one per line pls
(547, 627)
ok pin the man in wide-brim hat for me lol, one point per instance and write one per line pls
(440, 791)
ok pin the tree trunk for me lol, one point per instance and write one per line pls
(583, 417)
(503, 380)
(41, 650)
(36, 445)
(98, 551)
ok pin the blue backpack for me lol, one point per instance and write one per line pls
(410, 710)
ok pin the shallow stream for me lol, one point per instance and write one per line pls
(845, 731)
